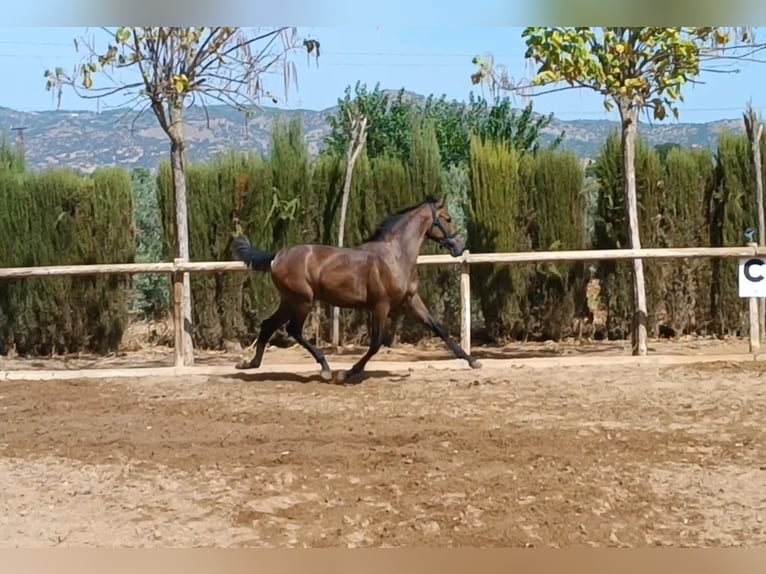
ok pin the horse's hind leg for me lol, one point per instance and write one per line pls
(295, 330)
(268, 328)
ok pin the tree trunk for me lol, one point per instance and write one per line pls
(754, 129)
(355, 145)
(629, 120)
(756, 150)
(177, 161)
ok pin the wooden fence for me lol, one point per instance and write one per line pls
(185, 357)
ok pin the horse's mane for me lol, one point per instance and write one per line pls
(385, 226)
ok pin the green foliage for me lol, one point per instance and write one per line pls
(11, 160)
(733, 209)
(664, 149)
(438, 285)
(393, 117)
(611, 232)
(269, 198)
(495, 121)
(389, 121)
(521, 203)
(692, 199)
(689, 183)
(425, 159)
(291, 183)
(641, 66)
(61, 218)
(496, 223)
(211, 206)
(556, 221)
(152, 298)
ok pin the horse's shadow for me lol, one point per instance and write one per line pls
(288, 377)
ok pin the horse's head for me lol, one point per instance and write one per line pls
(442, 230)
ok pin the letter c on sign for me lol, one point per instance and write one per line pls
(750, 277)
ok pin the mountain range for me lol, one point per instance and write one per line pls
(85, 140)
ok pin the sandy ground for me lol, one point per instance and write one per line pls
(144, 355)
(575, 456)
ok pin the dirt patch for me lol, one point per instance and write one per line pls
(428, 350)
(580, 456)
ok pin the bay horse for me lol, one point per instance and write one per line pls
(380, 275)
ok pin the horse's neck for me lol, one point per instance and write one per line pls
(411, 239)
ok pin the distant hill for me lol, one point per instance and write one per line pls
(85, 140)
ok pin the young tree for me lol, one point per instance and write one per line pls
(358, 125)
(167, 68)
(636, 69)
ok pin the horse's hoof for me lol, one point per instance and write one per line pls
(242, 365)
(326, 375)
(346, 377)
(475, 364)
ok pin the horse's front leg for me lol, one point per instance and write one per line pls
(418, 309)
(378, 317)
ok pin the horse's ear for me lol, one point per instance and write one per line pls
(440, 202)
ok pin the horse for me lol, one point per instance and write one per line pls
(380, 275)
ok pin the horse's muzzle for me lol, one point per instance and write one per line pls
(456, 248)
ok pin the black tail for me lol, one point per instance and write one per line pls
(243, 250)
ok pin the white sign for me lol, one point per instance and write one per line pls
(752, 277)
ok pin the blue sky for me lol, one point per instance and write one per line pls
(424, 60)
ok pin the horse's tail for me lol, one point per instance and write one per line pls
(254, 258)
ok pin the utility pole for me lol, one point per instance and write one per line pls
(20, 137)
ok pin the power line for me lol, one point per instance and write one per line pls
(467, 58)
(324, 51)
(29, 43)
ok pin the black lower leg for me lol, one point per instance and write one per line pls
(441, 332)
(295, 330)
(419, 310)
(376, 341)
(268, 328)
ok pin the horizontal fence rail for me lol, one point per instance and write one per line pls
(178, 267)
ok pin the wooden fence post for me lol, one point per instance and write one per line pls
(754, 318)
(465, 304)
(180, 352)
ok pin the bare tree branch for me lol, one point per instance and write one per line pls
(147, 105)
(182, 67)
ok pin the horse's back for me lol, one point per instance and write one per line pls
(318, 255)
(339, 275)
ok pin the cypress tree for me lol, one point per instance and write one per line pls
(733, 211)
(439, 285)
(496, 224)
(291, 180)
(60, 218)
(688, 181)
(557, 222)
(254, 192)
(152, 291)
